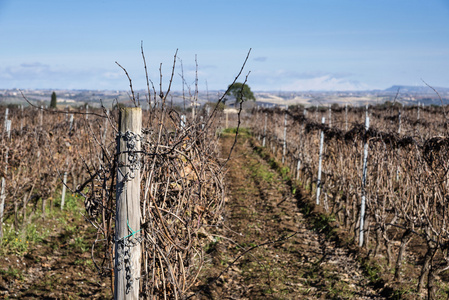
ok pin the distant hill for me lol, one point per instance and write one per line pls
(416, 89)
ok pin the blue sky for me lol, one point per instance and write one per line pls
(297, 45)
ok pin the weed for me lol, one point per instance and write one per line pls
(373, 271)
(233, 130)
(400, 293)
(81, 244)
(210, 247)
(284, 173)
(262, 173)
(12, 272)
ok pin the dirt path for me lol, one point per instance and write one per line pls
(261, 209)
(277, 252)
(57, 267)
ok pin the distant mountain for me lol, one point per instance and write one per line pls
(416, 89)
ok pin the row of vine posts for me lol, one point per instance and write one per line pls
(387, 183)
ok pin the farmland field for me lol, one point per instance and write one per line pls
(227, 217)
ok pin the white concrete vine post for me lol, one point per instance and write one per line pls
(264, 130)
(64, 189)
(284, 143)
(128, 237)
(3, 195)
(318, 184)
(363, 202)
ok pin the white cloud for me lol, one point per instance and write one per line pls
(39, 75)
(324, 83)
(289, 80)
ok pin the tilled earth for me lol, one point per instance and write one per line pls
(59, 267)
(268, 249)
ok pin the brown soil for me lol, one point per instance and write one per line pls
(288, 257)
(58, 267)
(266, 248)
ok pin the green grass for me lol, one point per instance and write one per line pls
(242, 131)
(12, 272)
(18, 241)
(81, 244)
(262, 173)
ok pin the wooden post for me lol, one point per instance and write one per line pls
(363, 203)
(318, 184)
(127, 224)
(330, 116)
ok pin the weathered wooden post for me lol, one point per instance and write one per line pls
(318, 184)
(363, 202)
(330, 116)
(127, 224)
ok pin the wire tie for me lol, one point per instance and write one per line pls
(132, 231)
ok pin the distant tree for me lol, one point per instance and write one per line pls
(241, 92)
(53, 100)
